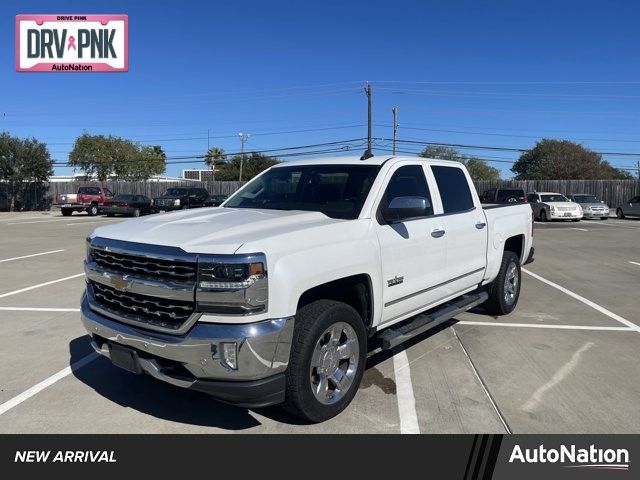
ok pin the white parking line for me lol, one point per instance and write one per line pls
(29, 256)
(84, 223)
(580, 298)
(581, 229)
(404, 394)
(39, 221)
(25, 309)
(27, 394)
(546, 325)
(635, 263)
(15, 292)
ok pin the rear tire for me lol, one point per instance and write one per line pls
(619, 213)
(136, 212)
(543, 215)
(328, 355)
(66, 212)
(504, 291)
(92, 210)
(604, 218)
(575, 219)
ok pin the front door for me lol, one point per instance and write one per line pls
(413, 250)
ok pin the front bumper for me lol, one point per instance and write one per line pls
(193, 360)
(596, 214)
(564, 215)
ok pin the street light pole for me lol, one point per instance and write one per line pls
(243, 138)
(394, 110)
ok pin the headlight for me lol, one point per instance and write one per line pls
(232, 284)
(553, 209)
(176, 202)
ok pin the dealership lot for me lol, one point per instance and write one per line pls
(564, 361)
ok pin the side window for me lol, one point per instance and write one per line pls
(454, 189)
(532, 198)
(408, 181)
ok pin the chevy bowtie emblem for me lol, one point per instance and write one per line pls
(119, 283)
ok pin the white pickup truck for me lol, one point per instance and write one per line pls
(275, 296)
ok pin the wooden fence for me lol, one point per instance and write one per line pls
(40, 197)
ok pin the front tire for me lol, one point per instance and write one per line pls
(604, 218)
(328, 355)
(66, 212)
(619, 213)
(505, 289)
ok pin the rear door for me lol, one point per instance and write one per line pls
(412, 251)
(465, 229)
(634, 209)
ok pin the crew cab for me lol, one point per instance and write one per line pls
(180, 198)
(89, 199)
(554, 206)
(274, 297)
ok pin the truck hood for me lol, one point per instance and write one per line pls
(213, 230)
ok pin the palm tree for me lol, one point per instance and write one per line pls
(215, 155)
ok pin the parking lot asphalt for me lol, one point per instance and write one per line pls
(565, 361)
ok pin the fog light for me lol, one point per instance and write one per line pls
(230, 355)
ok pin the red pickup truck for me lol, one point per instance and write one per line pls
(89, 199)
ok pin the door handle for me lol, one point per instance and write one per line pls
(480, 225)
(437, 233)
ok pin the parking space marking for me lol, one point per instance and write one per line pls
(482, 384)
(564, 371)
(635, 263)
(39, 221)
(581, 229)
(32, 255)
(26, 309)
(404, 394)
(95, 221)
(580, 298)
(546, 325)
(26, 289)
(27, 394)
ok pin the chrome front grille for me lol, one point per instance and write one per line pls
(150, 286)
(147, 267)
(153, 311)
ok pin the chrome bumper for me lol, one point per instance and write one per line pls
(263, 348)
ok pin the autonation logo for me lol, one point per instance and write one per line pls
(574, 457)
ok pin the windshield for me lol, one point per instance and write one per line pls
(556, 197)
(175, 192)
(338, 191)
(123, 198)
(586, 199)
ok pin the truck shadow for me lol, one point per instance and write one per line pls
(149, 396)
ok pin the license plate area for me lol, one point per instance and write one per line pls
(125, 358)
(567, 214)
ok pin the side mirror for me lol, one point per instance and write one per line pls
(601, 201)
(403, 208)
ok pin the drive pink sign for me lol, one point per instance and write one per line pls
(72, 43)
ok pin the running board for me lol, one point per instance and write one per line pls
(394, 336)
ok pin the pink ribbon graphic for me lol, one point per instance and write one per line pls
(72, 43)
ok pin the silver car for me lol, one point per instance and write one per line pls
(629, 209)
(592, 207)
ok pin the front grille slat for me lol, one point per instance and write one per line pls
(158, 312)
(148, 267)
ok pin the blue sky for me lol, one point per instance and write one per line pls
(492, 73)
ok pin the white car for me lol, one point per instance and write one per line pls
(554, 206)
(273, 296)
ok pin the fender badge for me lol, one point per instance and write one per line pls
(395, 281)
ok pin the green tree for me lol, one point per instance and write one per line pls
(22, 162)
(215, 155)
(104, 156)
(564, 160)
(478, 169)
(254, 163)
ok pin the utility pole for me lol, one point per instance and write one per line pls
(394, 110)
(369, 152)
(638, 163)
(243, 138)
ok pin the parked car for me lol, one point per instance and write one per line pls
(591, 206)
(273, 297)
(554, 206)
(126, 204)
(177, 198)
(215, 200)
(89, 199)
(504, 195)
(629, 209)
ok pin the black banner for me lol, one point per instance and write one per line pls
(468, 457)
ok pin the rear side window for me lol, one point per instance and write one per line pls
(454, 189)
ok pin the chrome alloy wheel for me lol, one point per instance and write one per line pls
(511, 280)
(334, 363)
